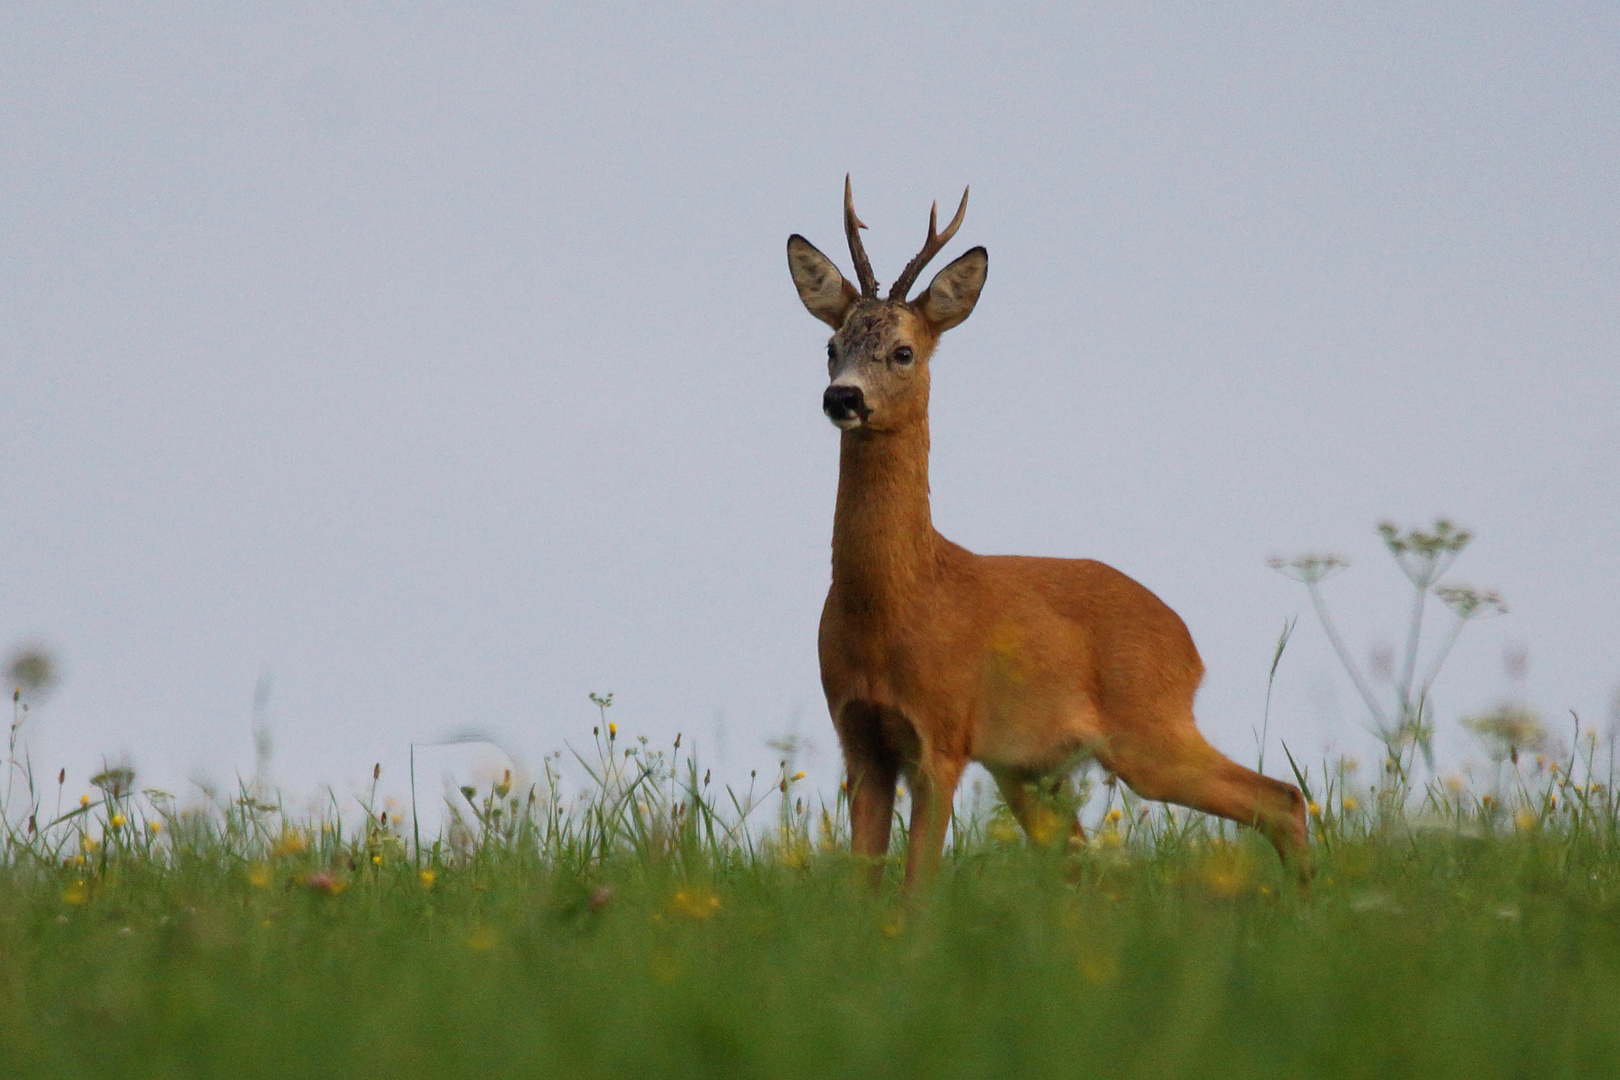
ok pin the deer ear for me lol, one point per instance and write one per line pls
(954, 290)
(822, 288)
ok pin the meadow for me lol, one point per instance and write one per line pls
(648, 920)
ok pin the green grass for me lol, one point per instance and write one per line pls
(638, 931)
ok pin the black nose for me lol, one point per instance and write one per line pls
(843, 403)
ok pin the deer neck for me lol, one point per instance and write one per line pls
(884, 543)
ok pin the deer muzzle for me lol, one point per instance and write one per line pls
(845, 405)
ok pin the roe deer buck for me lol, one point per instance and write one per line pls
(932, 656)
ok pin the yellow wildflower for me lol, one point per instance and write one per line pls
(1227, 870)
(1351, 804)
(427, 877)
(1101, 968)
(154, 827)
(1524, 819)
(1315, 808)
(84, 800)
(1044, 828)
(118, 821)
(291, 843)
(798, 776)
(1002, 831)
(613, 731)
(74, 893)
(695, 903)
(88, 842)
(376, 860)
(259, 875)
(1115, 814)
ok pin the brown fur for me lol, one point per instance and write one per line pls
(932, 656)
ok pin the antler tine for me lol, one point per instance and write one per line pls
(936, 240)
(852, 227)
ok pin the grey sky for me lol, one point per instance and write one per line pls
(444, 364)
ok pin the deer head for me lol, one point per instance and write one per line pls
(877, 359)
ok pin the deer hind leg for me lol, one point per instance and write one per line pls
(933, 789)
(1178, 766)
(1041, 822)
(871, 781)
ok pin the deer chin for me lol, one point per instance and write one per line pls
(846, 423)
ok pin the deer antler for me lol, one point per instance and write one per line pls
(930, 248)
(852, 227)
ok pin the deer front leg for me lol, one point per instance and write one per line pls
(1041, 821)
(933, 789)
(871, 810)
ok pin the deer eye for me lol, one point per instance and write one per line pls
(902, 355)
(832, 352)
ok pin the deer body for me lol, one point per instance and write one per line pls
(932, 656)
